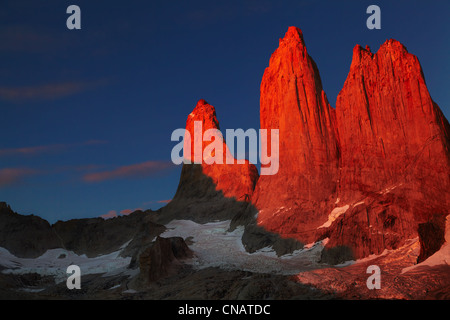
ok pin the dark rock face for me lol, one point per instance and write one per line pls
(431, 236)
(96, 236)
(25, 236)
(161, 258)
(31, 236)
(378, 222)
(336, 255)
(256, 237)
(143, 236)
(197, 199)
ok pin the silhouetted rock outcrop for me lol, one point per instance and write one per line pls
(31, 236)
(25, 236)
(162, 257)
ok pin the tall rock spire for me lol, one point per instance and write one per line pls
(208, 192)
(292, 100)
(391, 132)
(395, 152)
(365, 175)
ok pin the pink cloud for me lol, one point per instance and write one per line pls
(126, 212)
(27, 151)
(111, 214)
(132, 171)
(10, 176)
(31, 150)
(25, 38)
(47, 91)
(158, 201)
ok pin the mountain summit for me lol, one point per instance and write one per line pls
(365, 175)
(299, 196)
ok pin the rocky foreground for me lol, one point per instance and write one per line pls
(208, 261)
(426, 282)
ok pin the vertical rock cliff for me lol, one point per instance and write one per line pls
(364, 175)
(295, 200)
(395, 159)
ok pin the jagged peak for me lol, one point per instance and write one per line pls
(391, 46)
(360, 53)
(202, 108)
(4, 205)
(202, 102)
(204, 112)
(293, 35)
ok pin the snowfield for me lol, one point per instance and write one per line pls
(213, 246)
(55, 262)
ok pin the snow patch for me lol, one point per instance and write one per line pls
(358, 203)
(278, 211)
(115, 287)
(31, 290)
(130, 291)
(389, 189)
(334, 215)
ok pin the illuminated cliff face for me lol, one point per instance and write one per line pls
(363, 175)
(381, 159)
(293, 101)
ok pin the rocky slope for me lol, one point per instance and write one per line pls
(162, 259)
(25, 236)
(28, 236)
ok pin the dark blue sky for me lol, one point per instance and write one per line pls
(87, 114)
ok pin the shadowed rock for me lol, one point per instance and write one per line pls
(25, 236)
(161, 258)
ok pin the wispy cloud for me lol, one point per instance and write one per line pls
(164, 201)
(35, 150)
(11, 176)
(155, 201)
(27, 38)
(131, 171)
(126, 212)
(49, 91)
(111, 214)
